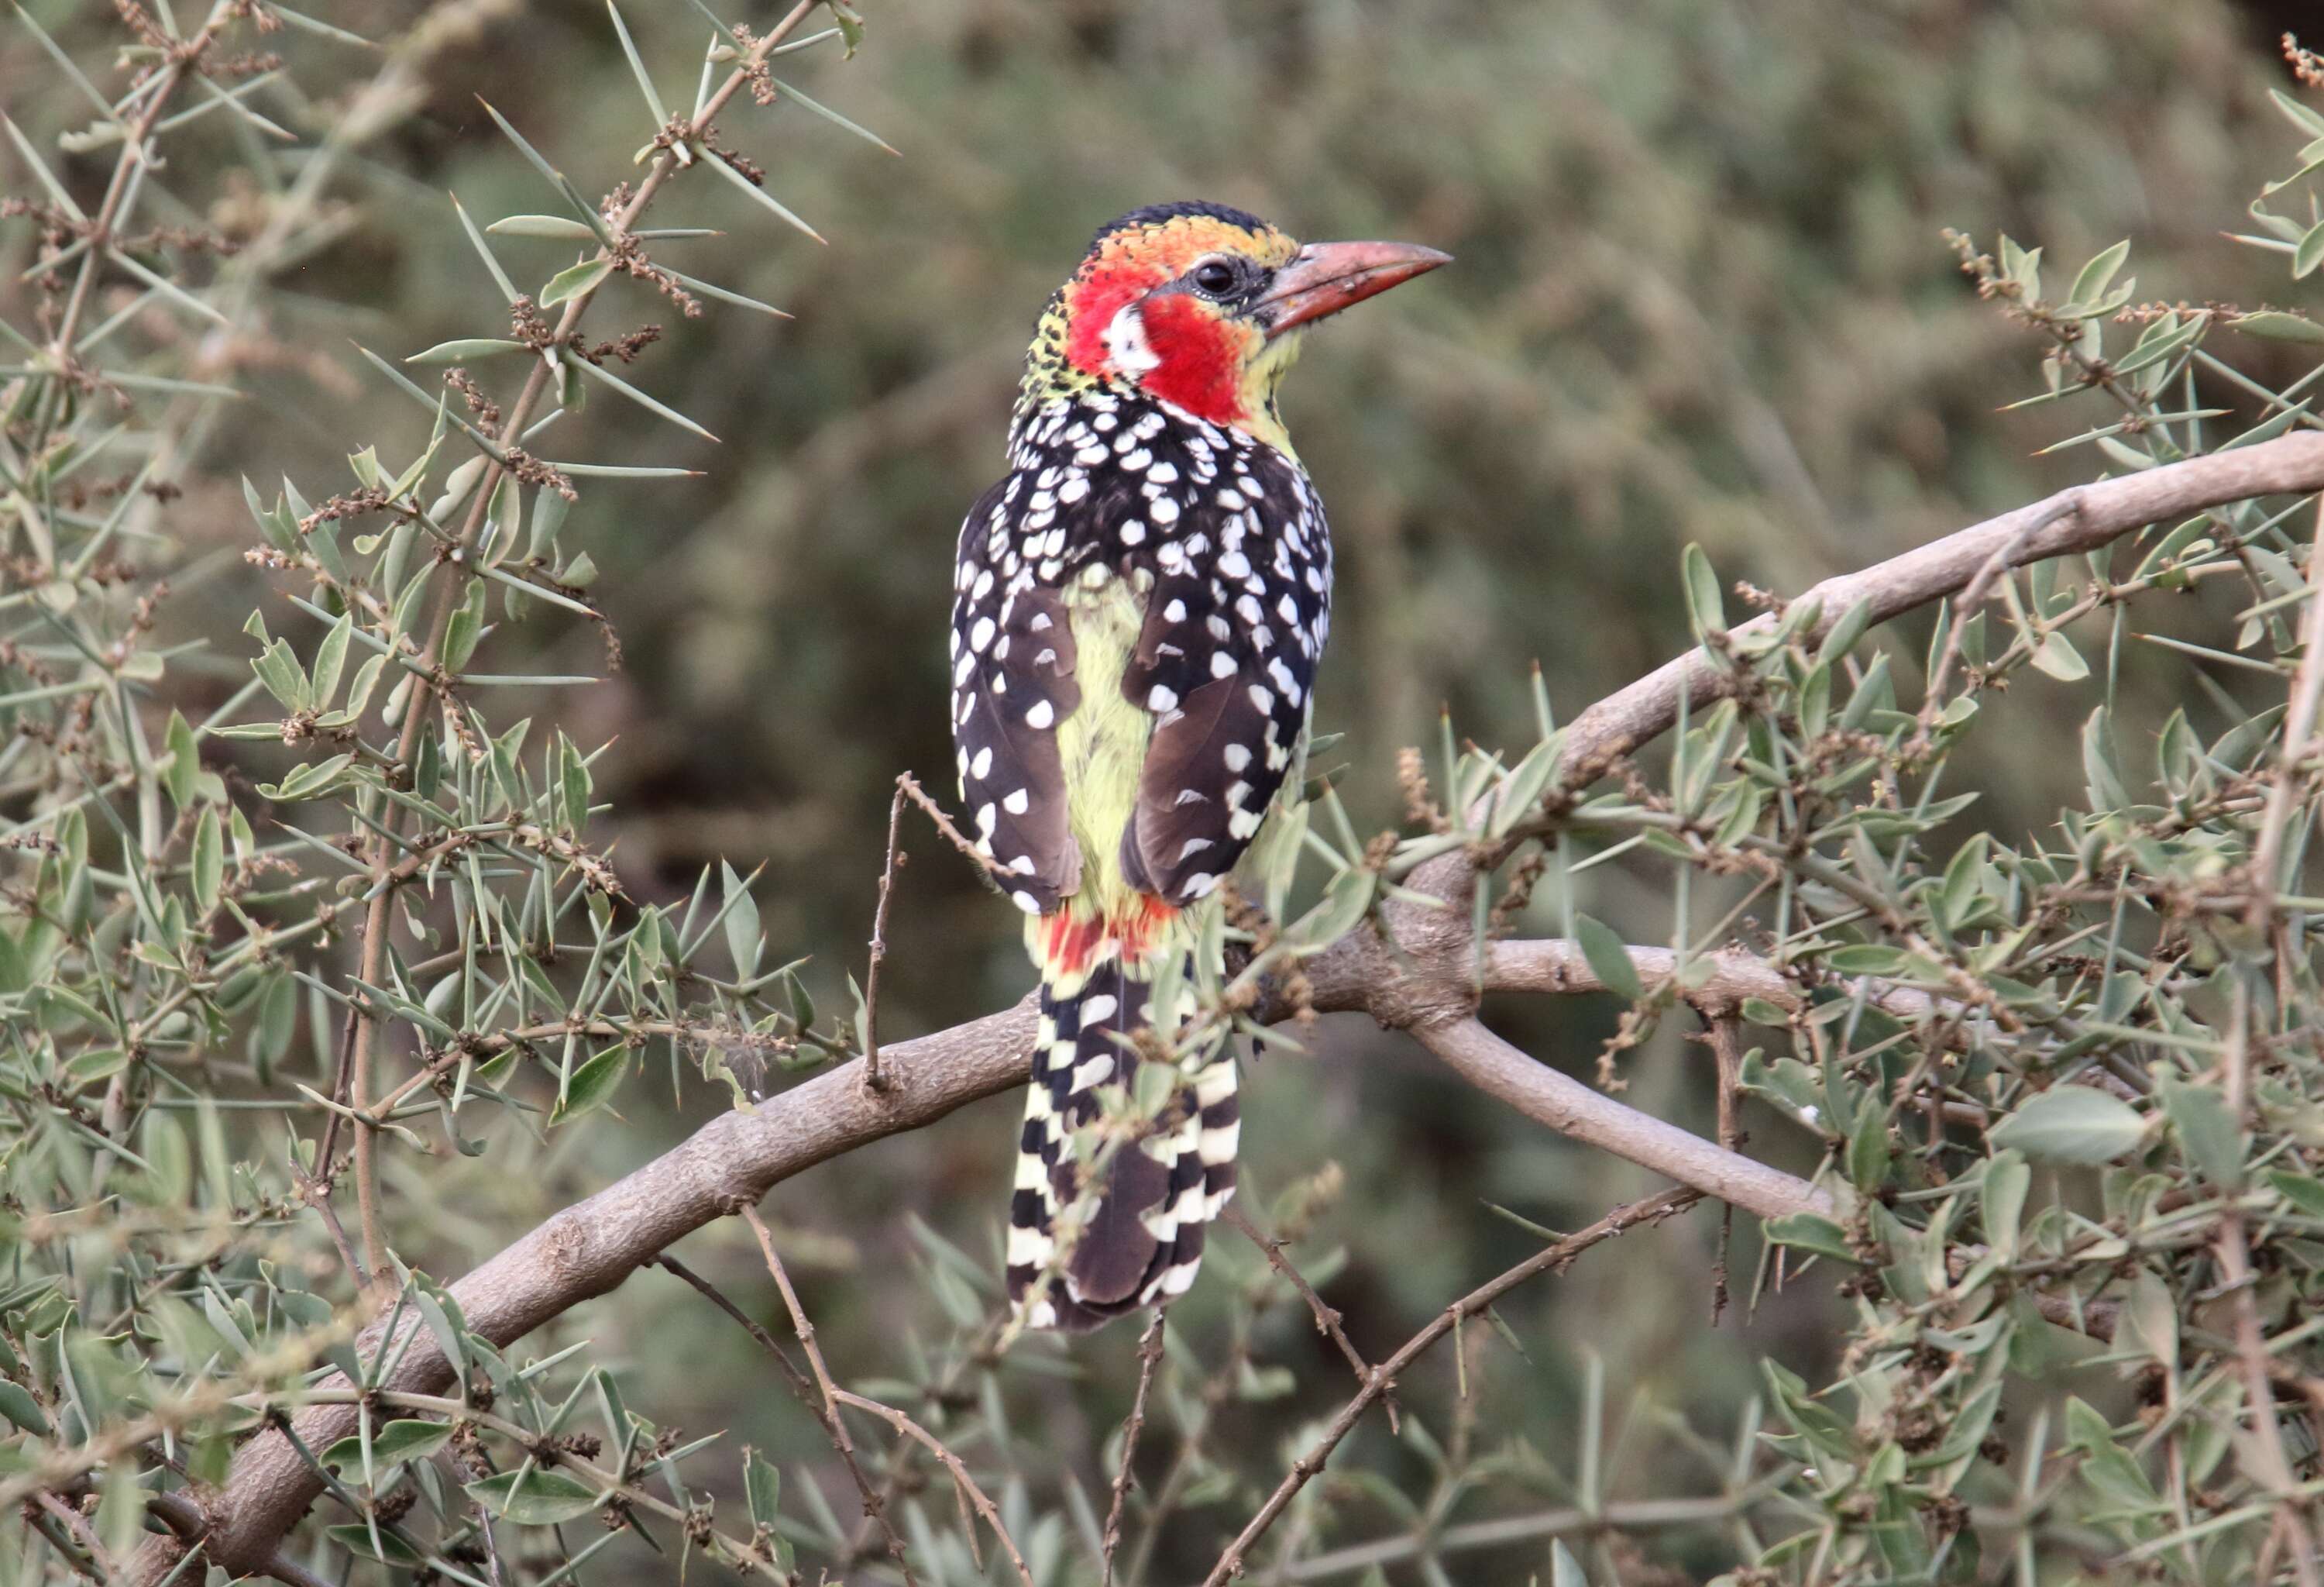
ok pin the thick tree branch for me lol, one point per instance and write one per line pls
(1572, 1108)
(2083, 518)
(1428, 987)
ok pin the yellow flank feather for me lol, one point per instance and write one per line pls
(1102, 745)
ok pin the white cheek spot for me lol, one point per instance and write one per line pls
(1125, 344)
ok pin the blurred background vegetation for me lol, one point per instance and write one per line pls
(1702, 295)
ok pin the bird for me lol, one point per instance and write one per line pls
(1140, 606)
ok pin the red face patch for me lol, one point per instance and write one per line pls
(1091, 304)
(1201, 358)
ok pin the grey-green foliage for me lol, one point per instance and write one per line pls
(404, 943)
(2019, 1057)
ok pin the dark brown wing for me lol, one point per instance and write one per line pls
(1013, 683)
(1226, 662)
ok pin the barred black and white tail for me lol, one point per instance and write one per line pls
(1081, 1254)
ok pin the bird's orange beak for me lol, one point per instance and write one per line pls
(1326, 277)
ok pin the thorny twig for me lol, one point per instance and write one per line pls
(875, 1508)
(1653, 1208)
(935, 813)
(1150, 1357)
(805, 1329)
(964, 1485)
(871, 1077)
(1327, 1318)
(1726, 1037)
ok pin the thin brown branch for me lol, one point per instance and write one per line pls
(803, 1328)
(880, 944)
(1327, 1318)
(875, 1508)
(970, 1493)
(1726, 1038)
(1303, 1470)
(943, 824)
(1149, 1358)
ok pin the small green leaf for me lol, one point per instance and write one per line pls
(1810, 1231)
(185, 761)
(537, 1498)
(592, 1085)
(1609, 957)
(2309, 252)
(2072, 1124)
(408, 1439)
(331, 659)
(2090, 286)
(2007, 1181)
(2209, 1135)
(1706, 609)
(356, 1539)
(17, 1404)
(208, 859)
(2057, 657)
(762, 1487)
(576, 280)
(463, 349)
(2274, 325)
(744, 938)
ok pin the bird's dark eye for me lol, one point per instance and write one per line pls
(1215, 278)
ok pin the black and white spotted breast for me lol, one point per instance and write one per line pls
(1223, 540)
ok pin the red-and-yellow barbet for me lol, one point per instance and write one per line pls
(1138, 611)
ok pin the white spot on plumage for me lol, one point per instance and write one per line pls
(981, 766)
(1161, 698)
(1026, 902)
(1223, 665)
(1017, 802)
(1040, 715)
